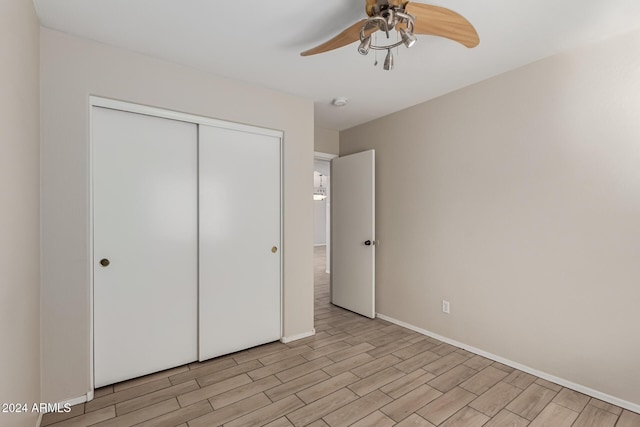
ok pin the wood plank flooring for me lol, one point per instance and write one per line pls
(353, 372)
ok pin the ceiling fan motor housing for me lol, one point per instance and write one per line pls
(375, 7)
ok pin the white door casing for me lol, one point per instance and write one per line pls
(352, 227)
(145, 225)
(239, 249)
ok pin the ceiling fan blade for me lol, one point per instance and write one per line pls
(438, 21)
(346, 37)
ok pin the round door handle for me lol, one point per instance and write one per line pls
(367, 242)
(274, 249)
(104, 262)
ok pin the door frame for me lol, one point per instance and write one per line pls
(97, 101)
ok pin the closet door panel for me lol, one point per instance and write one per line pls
(239, 240)
(145, 225)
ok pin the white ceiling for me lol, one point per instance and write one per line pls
(259, 41)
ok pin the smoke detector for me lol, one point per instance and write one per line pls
(340, 101)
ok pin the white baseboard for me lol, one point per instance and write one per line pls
(319, 244)
(81, 399)
(298, 336)
(561, 381)
(72, 402)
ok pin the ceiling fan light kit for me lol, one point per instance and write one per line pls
(408, 19)
(390, 20)
(387, 19)
(407, 38)
(365, 45)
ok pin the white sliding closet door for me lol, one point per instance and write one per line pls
(145, 244)
(239, 257)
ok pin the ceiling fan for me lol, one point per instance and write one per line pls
(408, 19)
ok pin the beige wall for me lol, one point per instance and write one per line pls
(19, 212)
(73, 69)
(327, 141)
(518, 200)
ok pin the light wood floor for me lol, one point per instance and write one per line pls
(354, 371)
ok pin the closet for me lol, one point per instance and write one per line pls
(186, 240)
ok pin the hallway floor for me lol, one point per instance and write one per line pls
(354, 372)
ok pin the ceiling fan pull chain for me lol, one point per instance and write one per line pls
(375, 52)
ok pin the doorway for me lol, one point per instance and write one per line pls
(349, 254)
(322, 227)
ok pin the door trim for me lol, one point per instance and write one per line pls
(97, 101)
(324, 156)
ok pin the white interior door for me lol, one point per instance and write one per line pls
(353, 232)
(240, 247)
(145, 244)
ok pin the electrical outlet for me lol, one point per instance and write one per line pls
(445, 306)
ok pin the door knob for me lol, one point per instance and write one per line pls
(104, 262)
(367, 243)
(274, 249)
